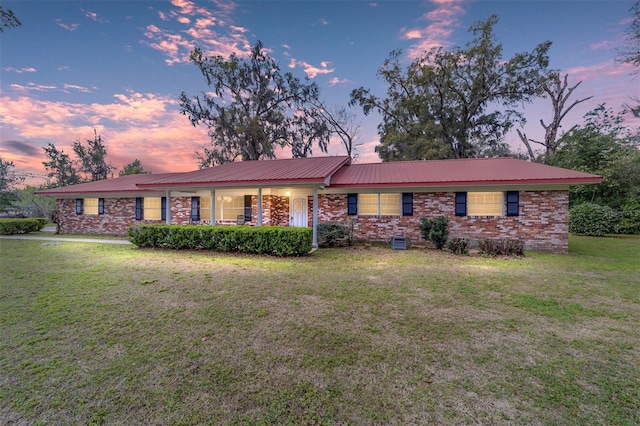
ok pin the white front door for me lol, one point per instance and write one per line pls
(298, 213)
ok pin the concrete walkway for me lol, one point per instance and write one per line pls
(63, 240)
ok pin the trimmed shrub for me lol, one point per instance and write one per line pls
(21, 226)
(630, 223)
(435, 230)
(459, 246)
(270, 240)
(496, 247)
(333, 234)
(594, 220)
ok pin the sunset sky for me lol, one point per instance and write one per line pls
(120, 66)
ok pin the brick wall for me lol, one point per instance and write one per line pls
(543, 222)
(119, 215)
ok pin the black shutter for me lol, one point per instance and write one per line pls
(407, 204)
(513, 203)
(139, 208)
(79, 205)
(100, 205)
(461, 203)
(352, 204)
(247, 208)
(195, 209)
(163, 208)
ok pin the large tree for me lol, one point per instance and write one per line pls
(8, 181)
(253, 108)
(602, 145)
(631, 52)
(344, 125)
(92, 158)
(454, 103)
(133, 168)
(558, 91)
(60, 168)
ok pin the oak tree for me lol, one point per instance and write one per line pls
(253, 108)
(454, 103)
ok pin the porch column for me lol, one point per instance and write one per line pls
(259, 206)
(213, 207)
(315, 217)
(168, 208)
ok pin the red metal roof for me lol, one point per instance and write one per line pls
(483, 171)
(122, 184)
(314, 170)
(340, 173)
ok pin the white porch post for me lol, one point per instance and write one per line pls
(315, 217)
(259, 206)
(213, 207)
(168, 208)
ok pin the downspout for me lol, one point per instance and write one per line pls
(315, 217)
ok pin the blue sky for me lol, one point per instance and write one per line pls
(120, 66)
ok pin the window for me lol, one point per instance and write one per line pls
(228, 207)
(352, 204)
(407, 204)
(152, 208)
(368, 204)
(390, 204)
(205, 208)
(513, 203)
(79, 205)
(139, 208)
(484, 203)
(461, 203)
(195, 209)
(247, 208)
(379, 204)
(90, 206)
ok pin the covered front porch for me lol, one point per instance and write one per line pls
(257, 206)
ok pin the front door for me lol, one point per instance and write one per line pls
(298, 213)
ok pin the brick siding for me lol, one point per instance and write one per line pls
(119, 215)
(543, 222)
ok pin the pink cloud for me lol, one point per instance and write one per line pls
(135, 125)
(209, 29)
(33, 87)
(76, 87)
(335, 81)
(311, 70)
(68, 27)
(607, 44)
(443, 20)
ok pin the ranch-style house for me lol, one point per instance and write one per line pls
(482, 198)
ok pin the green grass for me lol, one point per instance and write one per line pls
(105, 334)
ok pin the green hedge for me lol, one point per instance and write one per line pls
(271, 240)
(333, 234)
(593, 220)
(21, 226)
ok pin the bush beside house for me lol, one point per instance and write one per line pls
(270, 240)
(21, 226)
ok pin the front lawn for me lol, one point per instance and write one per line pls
(110, 334)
